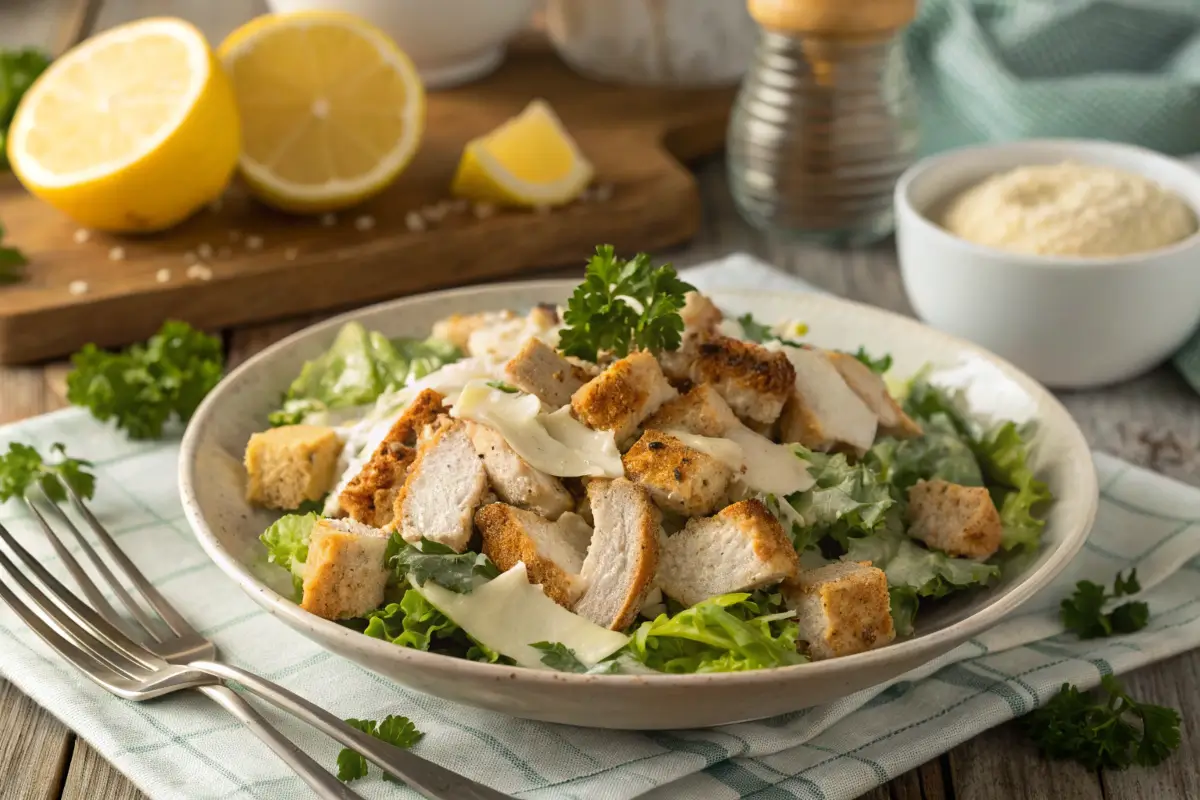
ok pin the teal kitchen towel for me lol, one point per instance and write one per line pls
(995, 70)
(184, 748)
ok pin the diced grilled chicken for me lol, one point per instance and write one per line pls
(622, 396)
(742, 548)
(345, 574)
(370, 496)
(553, 552)
(823, 413)
(960, 520)
(681, 479)
(445, 484)
(512, 478)
(700, 410)
(623, 556)
(872, 390)
(700, 314)
(842, 608)
(754, 380)
(538, 369)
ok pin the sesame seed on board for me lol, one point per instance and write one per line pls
(77, 287)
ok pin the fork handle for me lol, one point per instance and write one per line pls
(326, 786)
(427, 778)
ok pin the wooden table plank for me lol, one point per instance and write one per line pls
(34, 748)
(92, 778)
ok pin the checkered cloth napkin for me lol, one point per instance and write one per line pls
(183, 747)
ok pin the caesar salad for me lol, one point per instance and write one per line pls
(634, 482)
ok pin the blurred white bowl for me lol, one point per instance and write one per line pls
(1068, 322)
(683, 43)
(450, 41)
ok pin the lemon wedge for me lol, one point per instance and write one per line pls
(132, 130)
(331, 109)
(530, 160)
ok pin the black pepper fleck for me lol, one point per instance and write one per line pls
(678, 474)
(656, 445)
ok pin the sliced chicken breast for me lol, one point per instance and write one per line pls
(512, 478)
(553, 552)
(445, 485)
(823, 413)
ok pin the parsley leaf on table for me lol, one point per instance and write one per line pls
(394, 730)
(143, 386)
(1083, 611)
(1116, 733)
(11, 261)
(622, 306)
(22, 466)
(557, 655)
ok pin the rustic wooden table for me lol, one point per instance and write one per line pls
(1153, 421)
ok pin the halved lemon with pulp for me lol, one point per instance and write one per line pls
(530, 160)
(331, 109)
(133, 130)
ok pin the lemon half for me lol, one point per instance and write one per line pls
(530, 160)
(133, 130)
(331, 109)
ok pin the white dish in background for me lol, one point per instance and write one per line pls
(1069, 322)
(684, 43)
(451, 42)
(212, 485)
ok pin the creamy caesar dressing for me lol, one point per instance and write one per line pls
(557, 443)
(1070, 209)
(508, 614)
(760, 465)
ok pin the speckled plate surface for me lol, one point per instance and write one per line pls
(212, 483)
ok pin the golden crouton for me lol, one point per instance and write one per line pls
(370, 495)
(619, 398)
(841, 608)
(679, 478)
(289, 465)
(960, 520)
(345, 574)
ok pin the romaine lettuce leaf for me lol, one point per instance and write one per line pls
(729, 633)
(1004, 454)
(846, 499)
(359, 367)
(940, 453)
(413, 622)
(287, 544)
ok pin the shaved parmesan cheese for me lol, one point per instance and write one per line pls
(760, 465)
(557, 444)
(508, 614)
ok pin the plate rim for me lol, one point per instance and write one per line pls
(327, 633)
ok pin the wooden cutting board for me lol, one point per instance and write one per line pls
(267, 265)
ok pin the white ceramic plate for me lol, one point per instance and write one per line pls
(212, 486)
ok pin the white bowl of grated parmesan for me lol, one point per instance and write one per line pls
(1077, 260)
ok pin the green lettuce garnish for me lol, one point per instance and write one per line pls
(413, 622)
(359, 367)
(1004, 455)
(729, 633)
(941, 452)
(287, 544)
(846, 499)
(557, 655)
(458, 572)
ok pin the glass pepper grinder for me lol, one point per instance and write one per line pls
(825, 120)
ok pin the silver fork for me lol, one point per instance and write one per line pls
(98, 641)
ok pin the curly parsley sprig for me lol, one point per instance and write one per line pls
(1083, 611)
(1115, 733)
(23, 466)
(394, 730)
(143, 386)
(622, 306)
